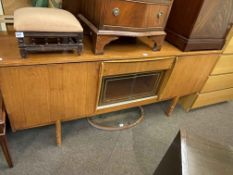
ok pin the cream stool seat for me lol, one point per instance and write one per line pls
(47, 29)
(45, 20)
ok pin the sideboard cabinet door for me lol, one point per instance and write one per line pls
(188, 75)
(41, 94)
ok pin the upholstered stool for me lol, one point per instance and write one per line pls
(3, 139)
(47, 30)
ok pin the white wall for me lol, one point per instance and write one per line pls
(2, 26)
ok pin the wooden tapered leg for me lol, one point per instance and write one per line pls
(6, 152)
(172, 106)
(58, 132)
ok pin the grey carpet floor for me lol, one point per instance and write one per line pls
(136, 151)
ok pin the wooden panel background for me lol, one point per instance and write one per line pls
(213, 98)
(10, 6)
(39, 95)
(91, 9)
(214, 19)
(72, 6)
(224, 65)
(180, 23)
(2, 25)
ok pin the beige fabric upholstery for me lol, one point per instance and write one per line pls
(36, 19)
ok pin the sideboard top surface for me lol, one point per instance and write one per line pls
(9, 53)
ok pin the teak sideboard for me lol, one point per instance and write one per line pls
(49, 88)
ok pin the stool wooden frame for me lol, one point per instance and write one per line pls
(65, 41)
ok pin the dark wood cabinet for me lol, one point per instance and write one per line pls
(199, 24)
(133, 15)
(109, 19)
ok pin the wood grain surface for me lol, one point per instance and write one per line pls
(189, 75)
(224, 65)
(37, 95)
(218, 82)
(9, 53)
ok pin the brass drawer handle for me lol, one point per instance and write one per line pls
(160, 14)
(116, 11)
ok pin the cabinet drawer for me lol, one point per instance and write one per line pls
(135, 66)
(136, 14)
(224, 65)
(229, 43)
(213, 98)
(229, 47)
(218, 82)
